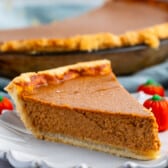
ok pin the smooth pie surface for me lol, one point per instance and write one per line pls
(101, 93)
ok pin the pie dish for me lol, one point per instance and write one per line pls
(84, 105)
(118, 24)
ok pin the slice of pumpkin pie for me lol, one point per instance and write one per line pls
(84, 105)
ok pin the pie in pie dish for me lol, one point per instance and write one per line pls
(106, 32)
(117, 23)
(84, 105)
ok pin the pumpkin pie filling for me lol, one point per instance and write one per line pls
(89, 109)
(117, 23)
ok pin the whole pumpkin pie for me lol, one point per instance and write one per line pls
(84, 105)
(117, 23)
(107, 32)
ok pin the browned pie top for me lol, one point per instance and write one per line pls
(105, 27)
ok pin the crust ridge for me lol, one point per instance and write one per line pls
(31, 80)
(150, 36)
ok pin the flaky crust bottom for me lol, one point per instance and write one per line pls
(93, 145)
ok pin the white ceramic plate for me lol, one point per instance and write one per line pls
(23, 150)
